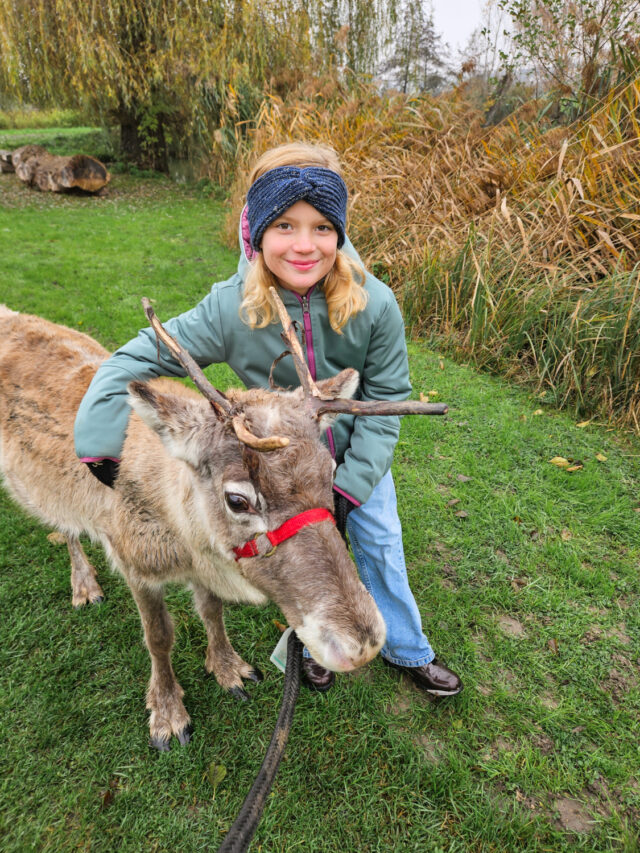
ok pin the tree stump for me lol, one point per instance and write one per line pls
(36, 167)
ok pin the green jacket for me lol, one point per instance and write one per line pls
(373, 342)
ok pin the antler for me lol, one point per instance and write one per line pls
(222, 407)
(290, 338)
(319, 405)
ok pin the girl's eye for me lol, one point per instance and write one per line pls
(236, 503)
(325, 228)
(283, 226)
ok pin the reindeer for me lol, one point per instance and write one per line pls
(229, 494)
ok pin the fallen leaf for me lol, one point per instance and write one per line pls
(583, 424)
(432, 393)
(560, 461)
(553, 645)
(441, 364)
(539, 412)
(453, 501)
(601, 457)
(424, 398)
(573, 468)
(520, 797)
(462, 514)
(282, 628)
(565, 534)
(216, 774)
(107, 798)
(517, 519)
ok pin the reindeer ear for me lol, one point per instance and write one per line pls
(175, 420)
(344, 385)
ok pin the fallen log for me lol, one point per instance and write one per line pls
(6, 164)
(49, 172)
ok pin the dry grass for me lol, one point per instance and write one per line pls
(515, 244)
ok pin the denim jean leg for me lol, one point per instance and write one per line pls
(375, 535)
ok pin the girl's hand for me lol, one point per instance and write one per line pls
(105, 470)
(341, 508)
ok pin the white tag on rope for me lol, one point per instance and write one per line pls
(279, 654)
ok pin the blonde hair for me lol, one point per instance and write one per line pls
(344, 284)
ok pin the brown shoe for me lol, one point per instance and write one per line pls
(432, 677)
(316, 677)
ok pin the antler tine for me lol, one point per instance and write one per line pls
(270, 442)
(290, 338)
(217, 400)
(378, 407)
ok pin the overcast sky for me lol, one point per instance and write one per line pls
(456, 20)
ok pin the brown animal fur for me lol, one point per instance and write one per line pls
(167, 518)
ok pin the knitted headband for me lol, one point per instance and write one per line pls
(280, 188)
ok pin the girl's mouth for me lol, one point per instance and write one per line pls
(302, 266)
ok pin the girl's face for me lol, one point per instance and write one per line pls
(300, 247)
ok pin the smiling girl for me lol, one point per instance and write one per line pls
(292, 236)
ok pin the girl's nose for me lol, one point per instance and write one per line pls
(303, 242)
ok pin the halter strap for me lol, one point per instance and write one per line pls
(285, 531)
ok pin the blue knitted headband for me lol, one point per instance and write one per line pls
(280, 188)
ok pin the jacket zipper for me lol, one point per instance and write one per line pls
(308, 336)
(311, 358)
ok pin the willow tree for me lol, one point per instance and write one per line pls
(166, 71)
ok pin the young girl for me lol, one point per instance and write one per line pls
(292, 236)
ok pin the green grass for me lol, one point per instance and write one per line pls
(64, 141)
(532, 597)
(29, 118)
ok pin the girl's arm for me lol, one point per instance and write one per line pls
(373, 439)
(103, 415)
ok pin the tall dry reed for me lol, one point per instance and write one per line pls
(518, 245)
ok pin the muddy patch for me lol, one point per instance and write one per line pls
(511, 627)
(550, 701)
(428, 747)
(573, 816)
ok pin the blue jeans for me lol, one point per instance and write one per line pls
(376, 541)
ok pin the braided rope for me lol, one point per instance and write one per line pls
(239, 837)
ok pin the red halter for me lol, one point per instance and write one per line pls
(285, 531)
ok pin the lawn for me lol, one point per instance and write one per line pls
(526, 575)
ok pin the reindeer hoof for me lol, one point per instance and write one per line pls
(185, 735)
(162, 744)
(240, 694)
(255, 675)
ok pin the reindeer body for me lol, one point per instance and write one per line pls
(188, 492)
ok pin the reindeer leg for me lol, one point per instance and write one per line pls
(222, 660)
(164, 694)
(84, 586)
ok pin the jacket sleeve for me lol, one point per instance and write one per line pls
(103, 415)
(373, 439)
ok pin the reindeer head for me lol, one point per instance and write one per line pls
(258, 467)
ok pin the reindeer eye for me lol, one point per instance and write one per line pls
(236, 503)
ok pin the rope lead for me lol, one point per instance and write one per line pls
(239, 837)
